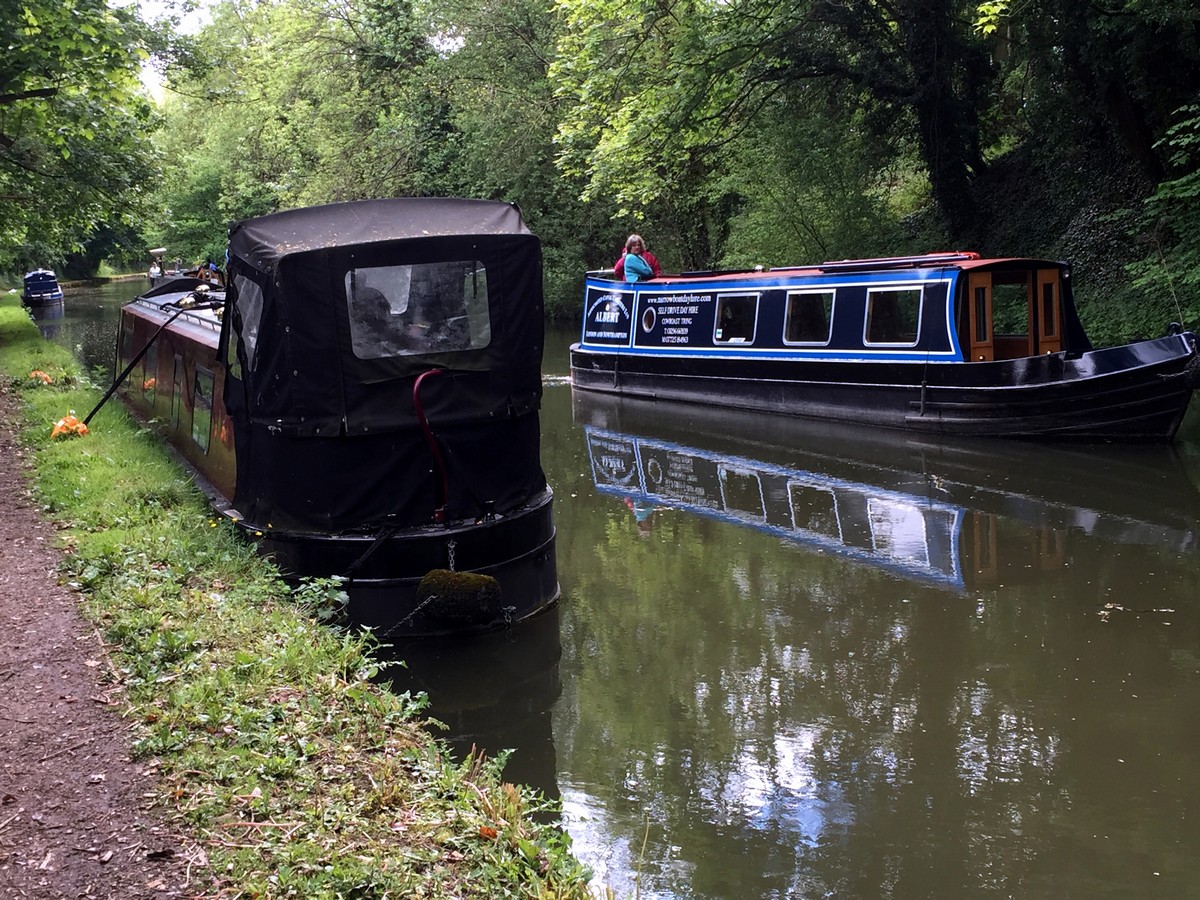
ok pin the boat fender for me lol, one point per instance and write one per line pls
(459, 598)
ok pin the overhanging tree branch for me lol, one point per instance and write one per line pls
(8, 99)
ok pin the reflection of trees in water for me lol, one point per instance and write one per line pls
(821, 728)
(88, 327)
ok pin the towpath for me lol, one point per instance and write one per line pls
(74, 821)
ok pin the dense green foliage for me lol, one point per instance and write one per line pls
(287, 769)
(75, 157)
(728, 131)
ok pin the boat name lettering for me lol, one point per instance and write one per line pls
(608, 315)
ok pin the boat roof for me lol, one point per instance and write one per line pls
(265, 240)
(963, 260)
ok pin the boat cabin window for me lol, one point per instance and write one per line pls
(814, 510)
(408, 310)
(898, 531)
(809, 317)
(737, 315)
(893, 315)
(741, 492)
(150, 373)
(202, 402)
(126, 351)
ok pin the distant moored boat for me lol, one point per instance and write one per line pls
(41, 288)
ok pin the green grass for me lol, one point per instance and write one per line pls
(276, 751)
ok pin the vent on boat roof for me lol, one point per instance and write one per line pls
(896, 262)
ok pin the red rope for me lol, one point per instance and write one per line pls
(439, 514)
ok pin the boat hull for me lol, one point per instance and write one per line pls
(384, 573)
(38, 301)
(1137, 392)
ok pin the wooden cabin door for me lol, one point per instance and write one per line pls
(1049, 311)
(979, 317)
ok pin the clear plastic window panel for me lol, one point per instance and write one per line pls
(410, 310)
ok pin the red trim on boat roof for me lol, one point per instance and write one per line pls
(1017, 260)
(954, 259)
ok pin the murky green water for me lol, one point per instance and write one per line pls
(798, 661)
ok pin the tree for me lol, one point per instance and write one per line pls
(73, 124)
(660, 88)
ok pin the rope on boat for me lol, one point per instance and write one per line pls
(180, 309)
(439, 513)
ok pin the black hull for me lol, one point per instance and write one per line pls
(1138, 392)
(42, 301)
(384, 574)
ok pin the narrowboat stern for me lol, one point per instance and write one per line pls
(362, 399)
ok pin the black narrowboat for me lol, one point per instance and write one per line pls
(361, 397)
(947, 343)
(41, 289)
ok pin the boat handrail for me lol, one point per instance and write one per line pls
(897, 262)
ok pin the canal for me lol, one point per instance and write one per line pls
(795, 660)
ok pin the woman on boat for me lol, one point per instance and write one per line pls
(637, 263)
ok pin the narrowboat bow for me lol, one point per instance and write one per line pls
(946, 343)
(361, 397)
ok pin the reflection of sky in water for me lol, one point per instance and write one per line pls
(898, 531)
(785, 794)
(598, 839)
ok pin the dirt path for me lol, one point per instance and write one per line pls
(73, 819)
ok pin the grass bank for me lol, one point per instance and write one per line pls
(277, 753)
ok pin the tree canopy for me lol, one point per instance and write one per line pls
(74, 124)
(729, 132)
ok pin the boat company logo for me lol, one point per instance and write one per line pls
(607, 318)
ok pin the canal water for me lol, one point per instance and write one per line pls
(797, 661)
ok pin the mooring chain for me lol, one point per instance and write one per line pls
(407, 620)
(450, 547)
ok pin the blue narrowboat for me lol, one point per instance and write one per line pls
(947, 343)
(41, 288)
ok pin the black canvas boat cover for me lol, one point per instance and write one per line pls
(334, 315)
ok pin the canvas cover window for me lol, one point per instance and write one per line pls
(421, 308)
(250, 308)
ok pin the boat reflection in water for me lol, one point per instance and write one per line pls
(492, 690)
(48, 318)
(959, 515)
